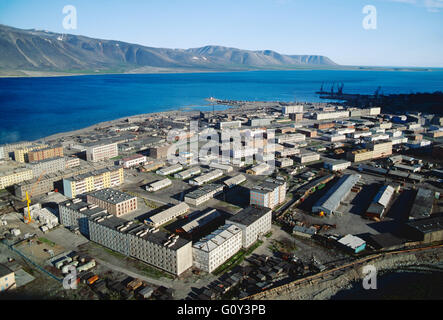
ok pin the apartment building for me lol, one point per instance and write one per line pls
(286, 110)
(254, 221)
(306, 157)
(6, 150)
(46, 153)
(160, 151)
(153, 246)
(14, 176)
(96, 180)
(98, 151)
(46, 166)
(229, 125)
(216, 248)
(270, 193)
(331, 115)
(114, 201)
(21, 154)
(75, 213)
(71, 162)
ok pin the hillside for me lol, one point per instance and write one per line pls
(31, 52)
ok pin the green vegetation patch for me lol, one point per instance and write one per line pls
(236, 258)
(47, 241)
(154, 272)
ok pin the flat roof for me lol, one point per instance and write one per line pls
(142, 231)
(4, 270)
(331, 200)
(217, 238)
(111, 195)
(78, 205)
(427, 225)
(249, 215)
(203, 190)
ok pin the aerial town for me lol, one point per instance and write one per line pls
(259, 201)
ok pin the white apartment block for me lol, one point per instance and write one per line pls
(98, 152)
(213, 250)
(153, 246)
(254, 222)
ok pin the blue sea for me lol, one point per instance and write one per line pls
(32, 108)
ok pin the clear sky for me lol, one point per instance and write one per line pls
(408, 32)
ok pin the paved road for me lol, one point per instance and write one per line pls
(164, 283)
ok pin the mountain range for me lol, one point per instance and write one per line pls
(37, 52)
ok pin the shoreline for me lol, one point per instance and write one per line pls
(328, 287)
(55, 74)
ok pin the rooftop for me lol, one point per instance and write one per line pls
(111, 195)
(217, 238)
(249, 215)
(203, 190)
(4, 270)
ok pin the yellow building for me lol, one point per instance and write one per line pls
(96, 180)
(20, 155)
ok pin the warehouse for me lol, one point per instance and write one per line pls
(307, 157)
(262, 168)
(380, 202)
(169, 170)
(203, 194)
(329, 202)
(189, 173)
(231, 182)
(157, 185)
(168, 214)
(205, 178)
(427, 229)
(213, 250)
(224, 167)
(254, 221)
(200, 222)
(336, 165)
(423, 203)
